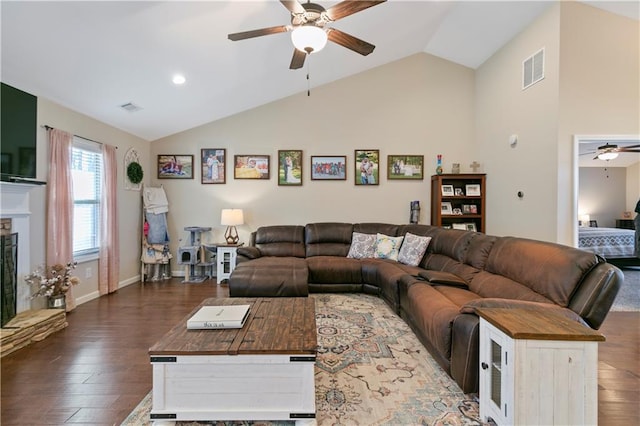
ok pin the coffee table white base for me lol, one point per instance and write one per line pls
(233, 387)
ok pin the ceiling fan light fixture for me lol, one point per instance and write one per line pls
(309, 38)
(608, 156)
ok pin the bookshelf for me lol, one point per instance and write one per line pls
(458, 201)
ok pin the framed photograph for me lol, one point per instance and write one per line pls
(367, 168)
(251, 166)
(469, 209)
(470, 226)
(447, 190)
(445, 208)
(212, 167)
(405, 167)
(329, 167)
(175, 166)
(458, 192)
(290, 168)
(461, 226)
(473, 190)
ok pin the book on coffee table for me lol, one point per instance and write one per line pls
(216, 317)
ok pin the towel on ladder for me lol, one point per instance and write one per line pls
(158, 233)
(155, 200)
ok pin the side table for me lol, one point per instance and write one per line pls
(537, 368)
(226, 260)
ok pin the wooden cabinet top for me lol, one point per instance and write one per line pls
(279, 325)
(532, 324)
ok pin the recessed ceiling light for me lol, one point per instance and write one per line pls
(179, 79)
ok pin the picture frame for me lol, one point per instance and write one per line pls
(213, 168)
(469, 209)
(405, 167)
(447, 190)
(471, 226)
(367, 170)
(252, 167)
(458, 192)
(472, 189)
(328, 167)
(290, 167)
(175, 166)
(445, 208)
(461, 226)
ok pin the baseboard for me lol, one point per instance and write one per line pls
(95, 294)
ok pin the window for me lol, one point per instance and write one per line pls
(86, 171)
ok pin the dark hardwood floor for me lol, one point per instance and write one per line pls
(97, 369)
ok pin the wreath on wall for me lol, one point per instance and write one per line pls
(134, 172)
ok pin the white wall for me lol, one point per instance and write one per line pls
(602, 194)
(129, 202)
(421, 105)
(632, 195)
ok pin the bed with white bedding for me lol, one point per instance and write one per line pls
(607, 242)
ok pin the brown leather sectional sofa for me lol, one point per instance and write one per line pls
(460, 271)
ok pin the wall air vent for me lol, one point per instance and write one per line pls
(533, 69)
(130, 107)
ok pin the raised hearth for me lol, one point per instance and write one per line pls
(30, 326)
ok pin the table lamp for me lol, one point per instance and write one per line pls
(231, 218)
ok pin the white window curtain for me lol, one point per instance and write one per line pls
(109, 240)
(60, 204)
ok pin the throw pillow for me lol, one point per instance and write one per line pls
(388, 247)
(413, 249)
(362, 245)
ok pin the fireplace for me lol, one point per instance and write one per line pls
(9, 273)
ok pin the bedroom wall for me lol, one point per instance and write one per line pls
(602, 194)
(420, 105)
(129, 202)
(633, 187)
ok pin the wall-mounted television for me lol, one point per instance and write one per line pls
(18, 126)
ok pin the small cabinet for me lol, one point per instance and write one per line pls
(537, 368)
(458, 201)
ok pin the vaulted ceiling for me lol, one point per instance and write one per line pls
(94, 57)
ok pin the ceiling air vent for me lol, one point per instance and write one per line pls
(130, 107)
(533, 69)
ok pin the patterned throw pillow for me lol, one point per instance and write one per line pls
(387, 247)
(413, 248)
(362, 245)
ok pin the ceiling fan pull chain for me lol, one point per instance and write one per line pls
(308, 79)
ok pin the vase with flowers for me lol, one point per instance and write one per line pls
(53, 282)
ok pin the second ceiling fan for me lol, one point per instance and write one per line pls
(309, 30)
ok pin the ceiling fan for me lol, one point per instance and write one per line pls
(309, 30)
(610, 151)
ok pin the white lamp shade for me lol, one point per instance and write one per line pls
(309, 38)
(232, 217)
(584, 220)
(608, 156)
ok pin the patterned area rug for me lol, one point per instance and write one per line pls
(370, 370)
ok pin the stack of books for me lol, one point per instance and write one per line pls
(217, 317)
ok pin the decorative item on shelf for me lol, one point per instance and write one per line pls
(414, 215)
(474, 166)
(439, 164)
(232, 218)
(455, 168)
(53, 282)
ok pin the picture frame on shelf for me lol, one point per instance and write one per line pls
(470, 226)
(447, 191)
(405, 167)
(251, 167)
(367, 166)
(461, 226)
(213, 165)
(445, 208)
(174, 166)
(469, 209)
(458, 192)
(328, 167)
(290, 167)
(472, 189)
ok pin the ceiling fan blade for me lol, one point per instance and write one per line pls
(350, 42)
(298, 59)
(347, 8)
(257, 33)
(626, 148)
(293, 6)
(629, 150)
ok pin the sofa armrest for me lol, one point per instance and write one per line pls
(472, 307)
(249, 252)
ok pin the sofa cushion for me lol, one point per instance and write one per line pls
(375, 228)
(472, 307)
(334, 270)
(413, 249)
(280, 240)
(387, 247)
(362, 246)
(328, 239)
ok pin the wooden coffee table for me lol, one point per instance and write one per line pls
(263, 371)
